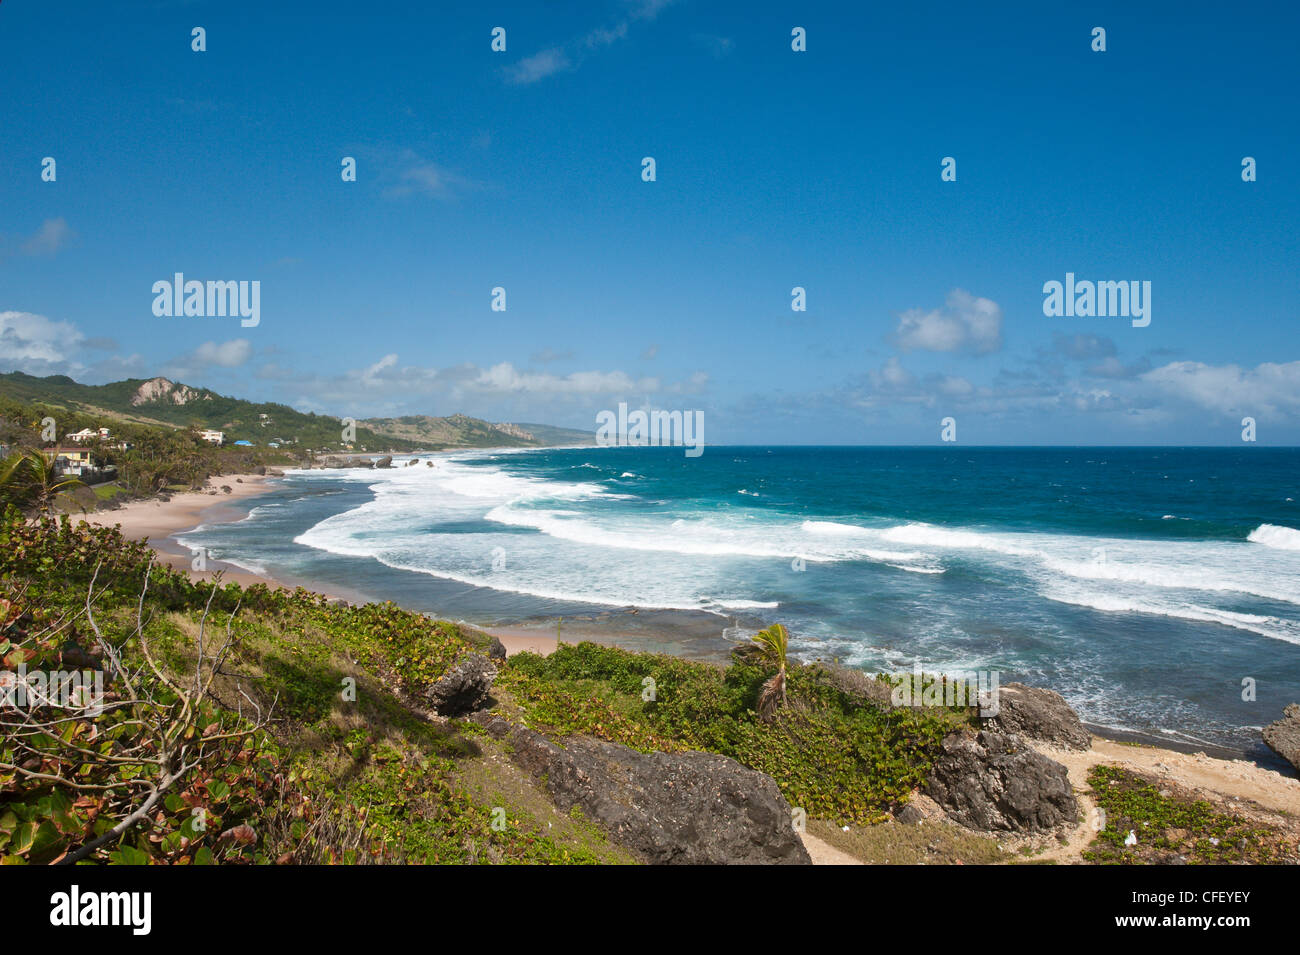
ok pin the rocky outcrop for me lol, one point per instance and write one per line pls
(514, 431)
(1039, 715)
(996, 782)
(161, 389)
(1283, 736)
(385, 462)
(496, 650)
(668, 808)
(464, 688)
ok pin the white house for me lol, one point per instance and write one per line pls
(215, 437)
(85, 434)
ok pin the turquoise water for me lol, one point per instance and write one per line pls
(1145, 584)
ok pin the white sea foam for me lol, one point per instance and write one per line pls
(1273, 535)
(1275, 628)
(585, 542)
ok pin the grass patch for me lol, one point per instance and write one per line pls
(925, 843)
(1168, 826)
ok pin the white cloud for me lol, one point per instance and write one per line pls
(229, 354)
(965, 323)
(893, 376)
(504, 377)
(34, 343)
(370, 376)
(1230, 389)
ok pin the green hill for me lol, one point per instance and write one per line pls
(160, 401)
(460, 431)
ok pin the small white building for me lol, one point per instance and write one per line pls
(213, 437)
(85, 434)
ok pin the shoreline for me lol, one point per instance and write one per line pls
(674, 633)
(157, 522)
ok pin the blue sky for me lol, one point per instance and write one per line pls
(775, 169)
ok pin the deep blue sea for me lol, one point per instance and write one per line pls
(1145, 584)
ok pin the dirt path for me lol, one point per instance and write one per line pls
(823, 853)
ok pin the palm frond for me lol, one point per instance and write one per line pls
(773, 643)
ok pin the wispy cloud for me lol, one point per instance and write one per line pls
(717, 46)
(405, 172)
(52, 236)
(572, 54)
(539, 66)
(548, 355)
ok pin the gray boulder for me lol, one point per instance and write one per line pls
(496, 650)
(1039, 714)
(464, 688)
(385, 462)
(668, 808)
(1283, 736)
(995, 782)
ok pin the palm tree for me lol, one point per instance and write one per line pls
(28, 480)
(772, 643)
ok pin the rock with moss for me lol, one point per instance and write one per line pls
(685, 808)
(1283, 736)
(1039, 714)
(996, 782)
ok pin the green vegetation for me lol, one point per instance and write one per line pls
(834, 755)
(244, 726)
(159, 402)
(772, 644)
(1167, 824)
(462, 431)
(29, 482)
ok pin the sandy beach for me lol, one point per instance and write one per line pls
(156, 521)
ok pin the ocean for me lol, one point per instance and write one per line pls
(1157, 589)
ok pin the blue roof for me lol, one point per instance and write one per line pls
(249, 443)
